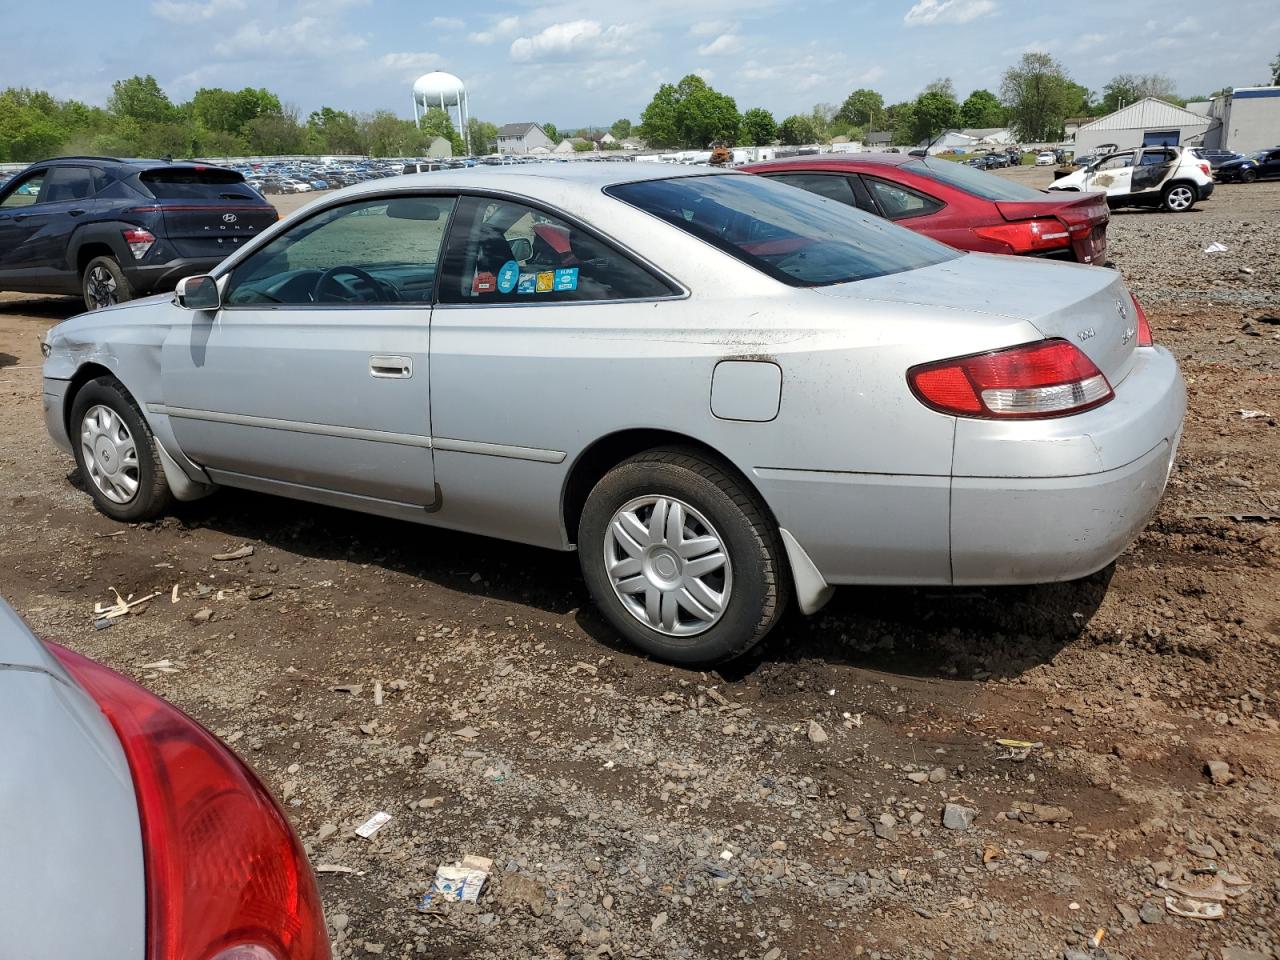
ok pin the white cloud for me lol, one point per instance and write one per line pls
(409, 65)
(307, 38)
(708, 28)
(724, 44)
(177, 12)
(448, 23)
(928, 12)
(1087, 41)
(871, 74)
(705, 74)
(499, 31)
(574, 40)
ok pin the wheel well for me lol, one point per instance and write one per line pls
(89, 251)
(89, 371)
(607, 452)
(1195, 187)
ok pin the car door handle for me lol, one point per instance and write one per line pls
(391, 368)
(18, 218)
(75, 213)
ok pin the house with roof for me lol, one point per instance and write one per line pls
(522, 138)
(878, 139)
(1146, 122)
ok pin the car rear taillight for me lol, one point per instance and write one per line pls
(1144, 326)
(226, 878)
(1049, 378)
(139, 241)
(1028, 236)
(1204, 168)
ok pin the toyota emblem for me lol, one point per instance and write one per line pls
(229, 218)
(1122, 310)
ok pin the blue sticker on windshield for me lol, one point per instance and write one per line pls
(566, 278)
(528, 283)
(508, 276)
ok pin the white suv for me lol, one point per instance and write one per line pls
(1169, 177)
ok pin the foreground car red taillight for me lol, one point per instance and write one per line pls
(226, 878)
(1144, 326)
(1049, 378)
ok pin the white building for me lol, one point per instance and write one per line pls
(522, 138)
(1145, 122)
(1247, 118)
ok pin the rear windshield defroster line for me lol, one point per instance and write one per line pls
(790, 234)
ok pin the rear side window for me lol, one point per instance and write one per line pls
(196, 183)
(971, 180)
(899, 202)
(791, 235)
(509, 253)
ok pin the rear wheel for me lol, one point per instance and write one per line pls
(104, 283)
(1178, 197)
(116, 453)
(682, 558)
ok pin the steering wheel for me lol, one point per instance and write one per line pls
(327, 279)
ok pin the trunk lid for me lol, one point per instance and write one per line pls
(1085, 216)
(1087, 306)
(207, 211)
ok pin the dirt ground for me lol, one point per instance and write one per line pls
(790, 805)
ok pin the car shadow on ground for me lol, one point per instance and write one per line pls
(7, 360)
(56, 309)
(922, 632)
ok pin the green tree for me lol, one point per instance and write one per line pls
(942, 85)
(798, 129)
(29, 125)
(141, 99)
(901, 122)
(334, 131)
(437, 123)
(277, 133)
(621, 129)
(1037, 91)
(690, 114)
(982, 108)
(484, 136)
(862, 108)
(1127, 88)
(758, 128)
(1275, 70)
(550, 130)
(933, 112)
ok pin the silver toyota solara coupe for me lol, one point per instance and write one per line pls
(722, 391)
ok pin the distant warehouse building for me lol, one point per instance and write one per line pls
(1246, 119)
(1146, 122)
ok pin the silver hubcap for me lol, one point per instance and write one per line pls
(668, 566)
(110, 455)
(1179, 198)
(101, 287)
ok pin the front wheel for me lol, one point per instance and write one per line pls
(104, 283)
(682, 558)
(1179, 198)
(1249, 176)
(117, 455)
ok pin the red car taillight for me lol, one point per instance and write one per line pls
(1205, 169)
(1049, 378)
(139, 241)
(226, 878)
(1144, 327)
(1028, 236)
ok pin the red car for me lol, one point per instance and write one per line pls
(956, 204)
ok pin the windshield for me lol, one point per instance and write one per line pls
(792, 235)
(985, 185)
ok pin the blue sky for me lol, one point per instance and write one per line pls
(578, 62)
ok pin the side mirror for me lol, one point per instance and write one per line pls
(521, 249)
(198, 293)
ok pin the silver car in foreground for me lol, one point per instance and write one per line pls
(722, 391)
(131, 832)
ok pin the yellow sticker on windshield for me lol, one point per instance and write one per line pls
(546, 281)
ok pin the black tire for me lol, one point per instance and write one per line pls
(761, 584)
(1248, 176)
(1170, 197)
(152, 496)
(103, 283)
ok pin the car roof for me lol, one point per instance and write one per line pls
(591, 176)
(827, 159)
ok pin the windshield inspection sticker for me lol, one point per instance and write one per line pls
(508, 276)
(566, 278)
(546, 281)
(528, 283)
(484, 282)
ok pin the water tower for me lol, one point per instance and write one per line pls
(443, 90)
